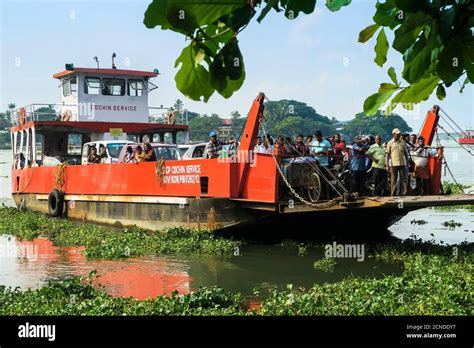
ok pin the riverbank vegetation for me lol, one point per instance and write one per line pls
(436, 280)
(103, 242)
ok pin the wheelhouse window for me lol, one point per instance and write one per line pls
(92, 85)
(113, 87)
(70, 87)
(136, 88)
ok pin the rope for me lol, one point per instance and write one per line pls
(465, 148)
(445, 163)
(159, 171)
(59, 179)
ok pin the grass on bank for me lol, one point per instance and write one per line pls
(102, 242)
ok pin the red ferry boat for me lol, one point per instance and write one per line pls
(467, 137)
(112, 104)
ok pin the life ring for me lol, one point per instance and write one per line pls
(172, 117)
(22, 115)
(56, 203)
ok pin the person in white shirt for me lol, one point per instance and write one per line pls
(259, 147)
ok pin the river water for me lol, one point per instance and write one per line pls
(30, 264)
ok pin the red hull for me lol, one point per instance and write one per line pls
(466, 141)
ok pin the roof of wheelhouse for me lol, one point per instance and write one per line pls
(114, 72)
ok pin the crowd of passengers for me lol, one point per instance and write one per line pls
(404, 157)
(140, 154)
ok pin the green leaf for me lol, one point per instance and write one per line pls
(420, 90)
(413, 6)
(387, 14)
(368, 32)
(386, 87)
(375, 101)
(294, 7)
(270, 4)
(393, 75)
(335, 5)
(408, 32)
(456, 56)
(238, 18)
(381, 48)
(394, 102)
(440, 92)
(233, 85)
(419, 59)
(185, 16)
(193, 80)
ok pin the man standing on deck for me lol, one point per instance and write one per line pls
(214, 146)
(321, 148)
(377, 154)
(397, 156)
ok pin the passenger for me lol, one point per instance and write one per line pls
(214, 146)
(268, 144)
(259, 147)
(198, 153)
(339, 147)
(421, 173)
(278, 149)
(359, 148)
(406, 139)
(94, 157)
(289, 147)
(129, 158)
(397, 154)
(301, 148)
(149, 153)
(321, 148)
(139, 154)
(413, 140)
(21, 161)
(102, 154)
(309, 140)
(376, 153)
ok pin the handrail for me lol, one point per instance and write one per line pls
(54, 112)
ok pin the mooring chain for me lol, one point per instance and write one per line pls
(446, 166)
(323, 205)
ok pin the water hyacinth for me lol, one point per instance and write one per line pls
(102, 242)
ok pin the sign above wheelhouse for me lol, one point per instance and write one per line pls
(105, 95)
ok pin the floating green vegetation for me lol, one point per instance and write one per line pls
(418, 222)
(451, 188)
(451, 224)
(302, 249)
(429, 285)
(436, 280)
(465, 207)
(102, 242)
(77, 296)
(327, 264)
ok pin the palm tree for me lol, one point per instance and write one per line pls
(178, 105)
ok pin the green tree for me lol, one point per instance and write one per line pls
(291, 117)
(46, 113)
(434, 37)
(238, 123)
(382, 124)
(202, 125)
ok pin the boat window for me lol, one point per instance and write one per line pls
(113, 87)
(167, 153)
(70, 87)
(136, 88)
(74, 142)
(114, 149)
(92, 85)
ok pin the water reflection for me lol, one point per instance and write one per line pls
(29, 264)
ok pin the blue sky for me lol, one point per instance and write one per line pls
(315, 58)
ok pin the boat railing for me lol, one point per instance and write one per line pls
(70, 112)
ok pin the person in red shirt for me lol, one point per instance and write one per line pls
(339, 147)
(149, 153)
